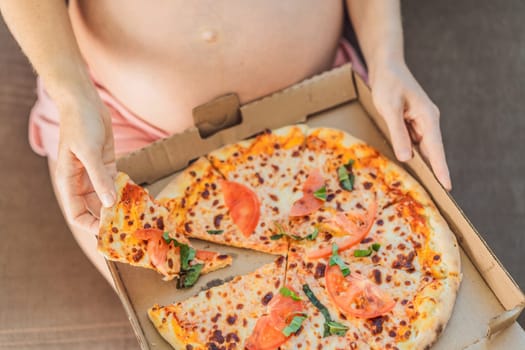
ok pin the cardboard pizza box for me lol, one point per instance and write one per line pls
(488, 302)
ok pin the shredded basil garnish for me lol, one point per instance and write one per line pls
(346, 176)
(188, 275)
(330, 326)
(282, 233)
(360, 253)
(168, 239)
(335, 328)
(294, 326)
(335, 259)
(187, 254)
(215, 232)
(312, 236)
(321, 193)
(284, 291)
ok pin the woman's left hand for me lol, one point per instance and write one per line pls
(410, 115)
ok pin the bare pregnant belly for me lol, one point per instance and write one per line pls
(162, 58)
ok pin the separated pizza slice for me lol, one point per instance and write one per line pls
(204, 205)
(239, 314)
(324, 326)
(134, 231)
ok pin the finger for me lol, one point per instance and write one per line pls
(72, 186)
(87, 221)
(432, 147)
(397, 128)
(93, 204)
(100, 176)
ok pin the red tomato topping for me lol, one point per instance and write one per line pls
(243, 205)
(157, 248)
(357, 227)
(267, 334)
(314, 181)
(205, 255)
(355, 295)
(308, 203)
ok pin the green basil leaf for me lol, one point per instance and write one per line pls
(281, 232)
(321, 193)
(312, 236)
(360, 253)
(191, 275)
(284, 291)
(335, 259)
(346, 176)
(294, 326)
(215, 232)
(187, 254)
(166, 237)
(330, 326)
(313, 299)
(376, 247)
(335, 328)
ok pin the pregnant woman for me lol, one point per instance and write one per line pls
(115, 75)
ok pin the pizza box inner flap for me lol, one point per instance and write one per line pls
(488, 299)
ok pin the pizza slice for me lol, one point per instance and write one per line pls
(202, 204)
(134, 231)
(239, 314)
(267, 165)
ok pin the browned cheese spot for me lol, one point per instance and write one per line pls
(319, 270)
(266, 298)
(138, 255)
(217, 220)
(231, 319)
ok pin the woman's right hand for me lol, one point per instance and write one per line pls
(86, 159)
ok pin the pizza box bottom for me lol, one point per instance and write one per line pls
(481, 309)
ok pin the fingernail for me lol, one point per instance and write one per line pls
(107, 199)
(404, 155)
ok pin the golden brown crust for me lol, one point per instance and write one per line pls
(133, 211)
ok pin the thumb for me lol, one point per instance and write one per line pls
(101, 178)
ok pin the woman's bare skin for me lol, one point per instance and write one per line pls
(162, 58)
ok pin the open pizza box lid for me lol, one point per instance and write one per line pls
(488, 302)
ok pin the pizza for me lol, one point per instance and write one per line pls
(366, 261)
(133, 231)
(222, 317)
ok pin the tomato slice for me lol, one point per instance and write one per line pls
(355, 295)
(243, 205)
(157, 248)
(357, 227)
(308, 203)
(205, 255)
(268, 331)
(314, 181)
(282, 310)
(265, 336)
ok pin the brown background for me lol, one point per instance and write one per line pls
(469, 56)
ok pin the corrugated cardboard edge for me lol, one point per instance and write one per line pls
(308, 97)
(174, 153)
(128, 306)
(495, 275)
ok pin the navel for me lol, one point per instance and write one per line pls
(209, 36)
